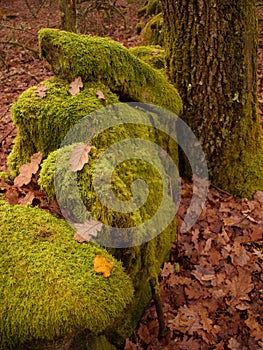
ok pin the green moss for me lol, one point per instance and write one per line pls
(152, 7)
(153, 55)
(153, 31)
(93, 58)
(42, 123)
(48, 285)
(141, 262)
(6, 177)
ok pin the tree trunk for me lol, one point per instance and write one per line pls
(211, 48)
(68, 15)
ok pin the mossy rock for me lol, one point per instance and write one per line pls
(152, 32)
(154, 55)
(42, 122)
(100, 59)
(48, 285)
(142, 262)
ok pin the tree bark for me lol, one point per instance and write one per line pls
(68, 15)
(211, 48)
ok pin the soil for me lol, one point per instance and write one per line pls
(212, 289)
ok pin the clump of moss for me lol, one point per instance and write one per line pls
(152, 54)
(48, 285)
(6, 177)
(43, 122)
(152, 32)
(151, 8)
(94, 58)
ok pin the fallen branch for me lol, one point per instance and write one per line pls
(15, 43)
(16, 28)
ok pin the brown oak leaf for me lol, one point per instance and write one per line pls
(41, 91)
(79, 157)
(87, 230)
(75, 86)
(27, 170)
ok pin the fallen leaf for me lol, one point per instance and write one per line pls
(144, 334)
(28, 199)
(187, 320)
(27, 170)
(41, 91)
(155, 52)
(167, 270)
(256, 330)
(233, 344)
(102, 265)
(129, 345)
(87, 230)
(12, 195)
(100, 95)
(79, 157)
(75, 86)
(239, 255)
(203, 274)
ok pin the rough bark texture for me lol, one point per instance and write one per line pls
(68, 14)
(211, 57)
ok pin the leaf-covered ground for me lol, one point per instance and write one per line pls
(212, 288)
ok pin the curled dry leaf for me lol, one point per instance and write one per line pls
(27, 170)
(75, 86)
(102, 265)
(28, 199)
(41, 91)
(79, 157)
(87, 230)
(100, 95)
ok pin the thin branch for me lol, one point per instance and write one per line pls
(30, 9)
(15, 28)
(15, 43)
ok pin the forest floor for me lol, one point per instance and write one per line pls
(212, 288)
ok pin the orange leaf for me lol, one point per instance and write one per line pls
(102, 265)
(79, 157)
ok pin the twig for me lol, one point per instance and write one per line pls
(15, 43)
(15, 28)
(7, 134)
(158, 306)
(222, 191)
(30, 9)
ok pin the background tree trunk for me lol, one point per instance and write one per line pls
(211, 48)
(68, 15)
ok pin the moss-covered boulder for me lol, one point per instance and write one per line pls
(48, 285)
(142, 261)
(154, 55)
(101, 59)
(42, 122)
